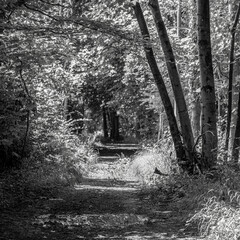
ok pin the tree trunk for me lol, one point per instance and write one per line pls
(160, 126)
(209, 125)
(196, 114)
(114, 125)
(230, 78)
(236, 142)
(179, 22)
(105, 127)
(194, 81)
(180, 153)
(235, 90)
(174, 77)
(179, 19)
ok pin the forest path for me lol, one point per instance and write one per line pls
(101, 207)
(112, 151)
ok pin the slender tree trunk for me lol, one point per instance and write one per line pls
(196, 114)
(179, 19)
(179, 22)
(160, 126)
(235, 90)
(114, 126)
(194, 81)
(116, 132)
(160, 84)
(236, 142)
(174, 77)
(105, 127)
(209, 125)
(230, 78)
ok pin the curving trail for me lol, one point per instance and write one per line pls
(101, 207)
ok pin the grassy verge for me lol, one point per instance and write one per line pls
(218, 215)
(54, 164)
(210, 201)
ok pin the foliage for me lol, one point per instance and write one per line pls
(212, 201)
(154, 156)
(219, 220)
(61, 160)
(90, 51)
(14, 111)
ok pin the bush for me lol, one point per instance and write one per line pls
(211, 200)
(60, 160)
(145, 162)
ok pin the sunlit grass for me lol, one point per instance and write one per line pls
(210, 200)
(218, 215)
(144, 164)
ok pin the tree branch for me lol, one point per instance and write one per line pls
(39, 11)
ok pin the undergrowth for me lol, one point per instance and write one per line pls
(210, 200)
(58, 161)
(151, 157)
(218, 215)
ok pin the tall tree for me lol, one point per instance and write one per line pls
(194, 81)
(174, 77)
(160, 83)
(209, 120)
(231, 76)
(236, 140)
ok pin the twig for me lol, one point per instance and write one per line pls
(39, 11)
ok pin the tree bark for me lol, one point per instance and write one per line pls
(105, 127)
(114, 125)
(179, 22)
(180, 153)
(179, 19)
(174, 77)
(230, 76)
(160, 126)
(194, 81)
(235, 90)
(196, 114)
(209, 125)
(236, 142)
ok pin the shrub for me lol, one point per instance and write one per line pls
(58, 159)
(145, 162)
(219, 219)
(218, 215)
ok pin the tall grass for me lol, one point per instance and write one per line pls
(219, 216)
(151, 157)
(211, 200)
(60, 160)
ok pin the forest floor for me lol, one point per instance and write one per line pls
(100, 207)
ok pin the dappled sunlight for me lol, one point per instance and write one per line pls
(100, 221)
(103, 188)
(104, 226)
(119, 119)
(109, 202)
(112, 168)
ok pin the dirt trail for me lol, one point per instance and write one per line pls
(97, 208)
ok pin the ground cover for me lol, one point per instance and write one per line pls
(107, 204)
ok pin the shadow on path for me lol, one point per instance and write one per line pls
(95, 209)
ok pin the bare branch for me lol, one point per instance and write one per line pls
(39, 11)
